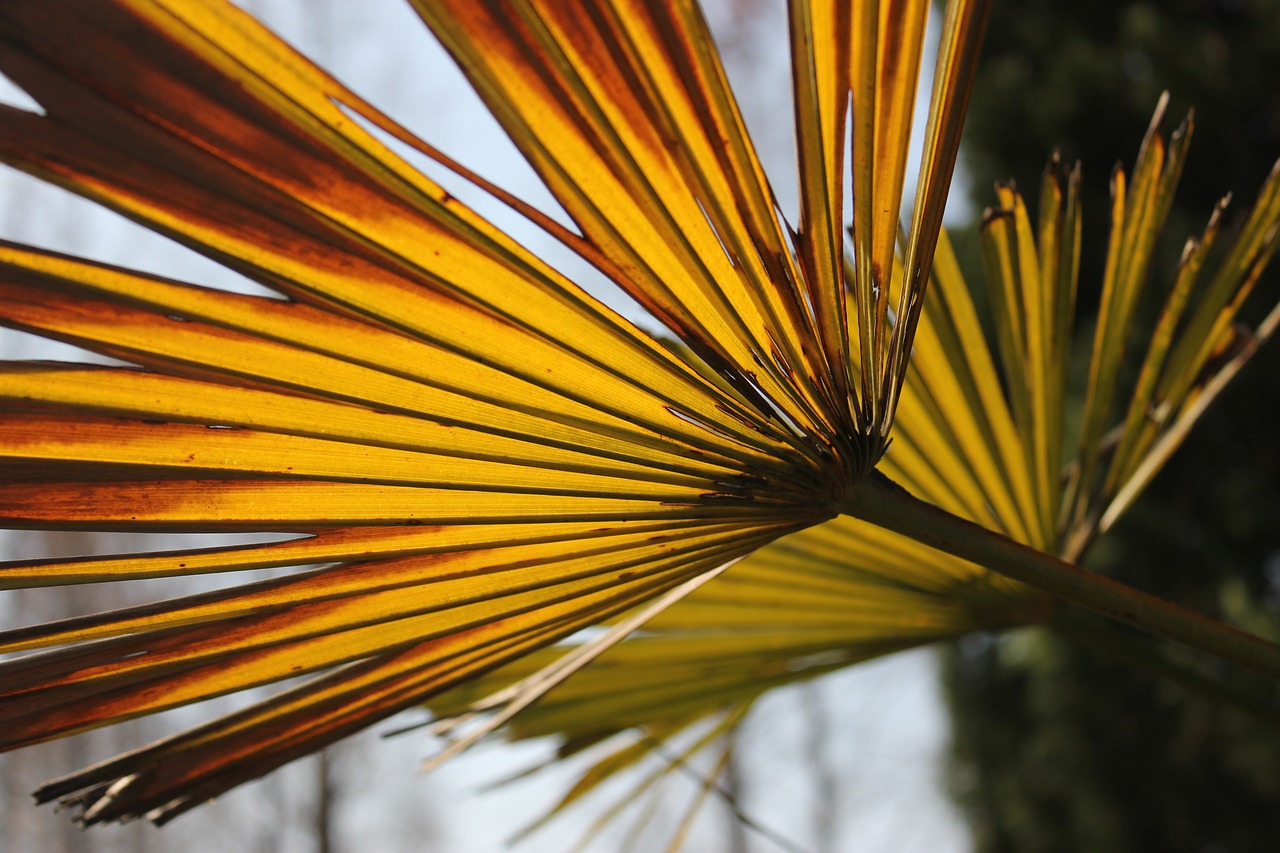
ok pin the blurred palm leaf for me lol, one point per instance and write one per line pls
(845, 591)
(480, 458)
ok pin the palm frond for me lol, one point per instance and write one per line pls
(475, 457)
(969, 439)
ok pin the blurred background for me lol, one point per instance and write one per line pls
(1010, 743)
(1058, 749)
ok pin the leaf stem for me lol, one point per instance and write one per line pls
(884, 503)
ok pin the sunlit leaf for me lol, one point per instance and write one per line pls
(984, 446)
(474, 458)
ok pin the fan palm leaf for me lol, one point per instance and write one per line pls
(476, 457)
(845, 591)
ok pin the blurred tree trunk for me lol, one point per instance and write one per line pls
(327, 793)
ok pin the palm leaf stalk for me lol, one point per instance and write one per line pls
(477, 458)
